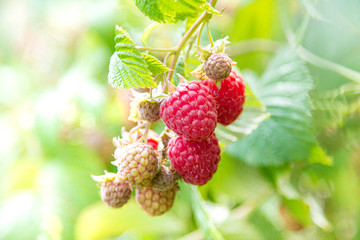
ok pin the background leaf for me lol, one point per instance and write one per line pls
(172, 11)
(200, 212)
(288, 135)
(253, 114)
(344, 16)
(127, 66)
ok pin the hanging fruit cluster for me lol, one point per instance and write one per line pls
(188, 148)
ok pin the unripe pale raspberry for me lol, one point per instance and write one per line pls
(218, 66)
(230, 97)
(137, 163)
(190, 111)
(114, 191)
(196, 162)
(155, 202)
(149, 111)
(164, 180)
(127, 138)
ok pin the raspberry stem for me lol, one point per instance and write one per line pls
(188, 34)
(199, 35)
(144, 136)
(209, 34)
(156, 49)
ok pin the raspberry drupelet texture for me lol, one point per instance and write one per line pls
(149, 111)
(230, 97)
(190, 111)
(137, 163)
(115, 193)
(218, 66)
(196, 162)
(155, 202)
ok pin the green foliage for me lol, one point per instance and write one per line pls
(101, 222)
(128, 68)
(200, 212)
(287, 136)
(259, 20)
(268, 229)
(334, 107)
(253, 114)
(343, 16)
(299, 210)
(172, 11)
(154, 65)
(60, 115)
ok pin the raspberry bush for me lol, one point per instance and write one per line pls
(287, 119)
(188, 149)
(195, 98)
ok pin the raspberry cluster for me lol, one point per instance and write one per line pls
(230, 97)
(193, 111)
(187, 148)
(139, 167)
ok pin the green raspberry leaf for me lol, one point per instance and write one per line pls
(287, 136)
(192, 195)
(172, 11)
(253, 114)
(128, 68)
(154, 65)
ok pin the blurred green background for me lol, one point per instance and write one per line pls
(59, 114)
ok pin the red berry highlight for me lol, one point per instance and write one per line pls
(196, 162)
(190, 111)
(230, 97)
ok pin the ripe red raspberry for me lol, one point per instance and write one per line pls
(152, 142)
(137, 163)
(155, 202)
(230, 97)
(218, 66)
(114, 191)
(196, 162)
(190, 111)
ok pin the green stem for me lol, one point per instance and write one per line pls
(302, 29)
(209, 34)
(183, 41)
(324, 63)
(144, 136)
(186, 37)
(156, 49)
(199, 35)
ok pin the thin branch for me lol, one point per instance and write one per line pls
(324, 63)
(186, 37)
(155, 49)
(199, 34)
(183, 41)
(209, 34)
